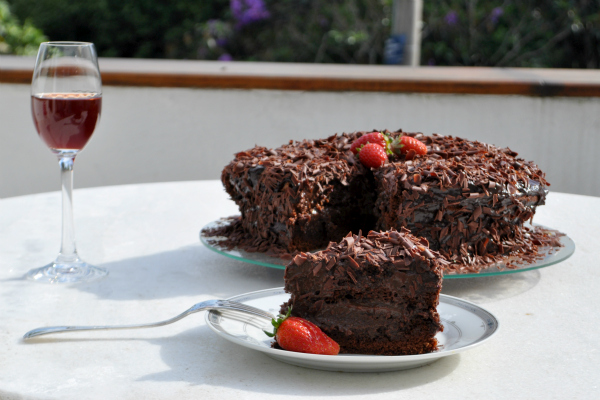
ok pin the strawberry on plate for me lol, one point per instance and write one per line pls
(372, 155)
(373, 137)
(302, 336)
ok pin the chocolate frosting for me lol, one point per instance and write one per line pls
(468, 199)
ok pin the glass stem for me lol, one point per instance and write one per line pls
(68, 253)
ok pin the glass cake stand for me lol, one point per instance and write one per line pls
(549, 256)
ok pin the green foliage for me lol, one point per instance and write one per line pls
(515, 33)
(17, 38)
(351, 31)
(122, 28)
(334, 31)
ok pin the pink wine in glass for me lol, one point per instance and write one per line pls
(66, 120)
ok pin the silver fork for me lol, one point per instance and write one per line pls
(222, 305)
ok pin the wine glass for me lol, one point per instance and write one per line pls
(66, 101)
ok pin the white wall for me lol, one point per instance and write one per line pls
(166, 134)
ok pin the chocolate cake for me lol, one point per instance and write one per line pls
(372, 295)
(468, 199)
(302, 195)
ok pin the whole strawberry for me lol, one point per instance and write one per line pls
(299, 335)
(373, 137)
(404, 144)
(372, 155)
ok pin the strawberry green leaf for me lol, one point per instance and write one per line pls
(277, 322)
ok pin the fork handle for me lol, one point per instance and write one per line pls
(198, 307)
(59, 329)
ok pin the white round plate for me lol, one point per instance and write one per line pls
(466, 325)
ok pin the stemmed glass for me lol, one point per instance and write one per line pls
(66, 101)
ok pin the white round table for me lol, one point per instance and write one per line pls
(147, 237)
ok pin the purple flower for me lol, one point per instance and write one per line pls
(222, 42)
(496, 14)
(451, 18)
(225, 57)
(248, 11)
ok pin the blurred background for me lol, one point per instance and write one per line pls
(160, 131)
(509, 33)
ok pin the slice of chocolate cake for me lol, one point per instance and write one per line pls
(372, 295)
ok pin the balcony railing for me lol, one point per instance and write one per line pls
(330, 77)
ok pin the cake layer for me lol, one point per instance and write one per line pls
(410, 346)
(394, 321)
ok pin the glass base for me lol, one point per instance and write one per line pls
(76, 272)
(550, 255)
